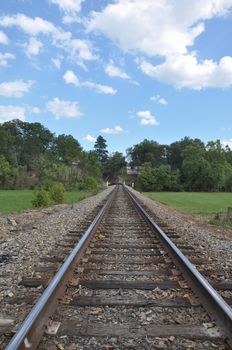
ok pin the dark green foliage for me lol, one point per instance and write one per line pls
(158, 179)
(193, 166)
(67, 149)
(50, 193)
(100, 148)
(42, 199)
(89, 183)
(57, 193)
(115, 165)
(147, 152)
(30, 154)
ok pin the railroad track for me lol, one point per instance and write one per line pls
(125, 285)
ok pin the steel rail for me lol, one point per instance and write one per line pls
(31, 330)
(215, 305)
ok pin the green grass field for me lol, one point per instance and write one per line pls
(194, 202)
(19, 200)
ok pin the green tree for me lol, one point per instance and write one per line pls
(158, 179)
(216, 156)
(175, 151)
(115, 165)
(8, 173)
(100, 148)
(90, 165)
(67, 149)
(146, 152)
(196, 169)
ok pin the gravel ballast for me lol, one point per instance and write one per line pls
(216, 243)
(26, 236)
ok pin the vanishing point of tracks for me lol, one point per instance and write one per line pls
(125, 285)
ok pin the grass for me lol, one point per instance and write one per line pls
(194, 202)
(18, 200)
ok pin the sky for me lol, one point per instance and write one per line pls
(124, 69)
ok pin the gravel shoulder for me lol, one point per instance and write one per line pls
(26, 236)
(217, 242)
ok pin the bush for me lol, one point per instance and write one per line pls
(158, 179)
(89, 183)
(42, 199)
(56, 193)
(51, 193)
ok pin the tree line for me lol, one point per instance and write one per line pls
(185, 165)
(30, 155)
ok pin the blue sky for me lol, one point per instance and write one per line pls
(125, 69)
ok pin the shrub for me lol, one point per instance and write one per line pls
(89, 183)
(42, 199)
(56, 193)
(51, 193)
(158, 179)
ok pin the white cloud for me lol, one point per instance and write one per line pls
(15, 88)
(57, 62)
(169, 30)
(168, 27)
(31, 26)
(115, 130)
(78, 50)
(68, 6)
(147, 118)
(36, 110)
(101, 89)
(158, 99)
(185, 71)
(60, 108)
(81, 49)
(227, 143)
(5, 57)
(71, 78)
(3, 38)
(10, 112)
(70, 19)
(114, 71)
(33, 47)
(89, 138)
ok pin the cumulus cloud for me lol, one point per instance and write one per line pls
(168, 27)
(5, 57)
(3, 38)
(15, 88)
(185, 71)
(63, 109)
(169, 31)
(78, 50)
(99, 88)
(33, 47)
(71, 78)
(114, 71)
(90, 138)
(147, 118)
(10, 112)
(113, 131)
(158, 99)
(68, 6)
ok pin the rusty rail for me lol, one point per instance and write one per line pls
(215, 305)
(30, 332)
